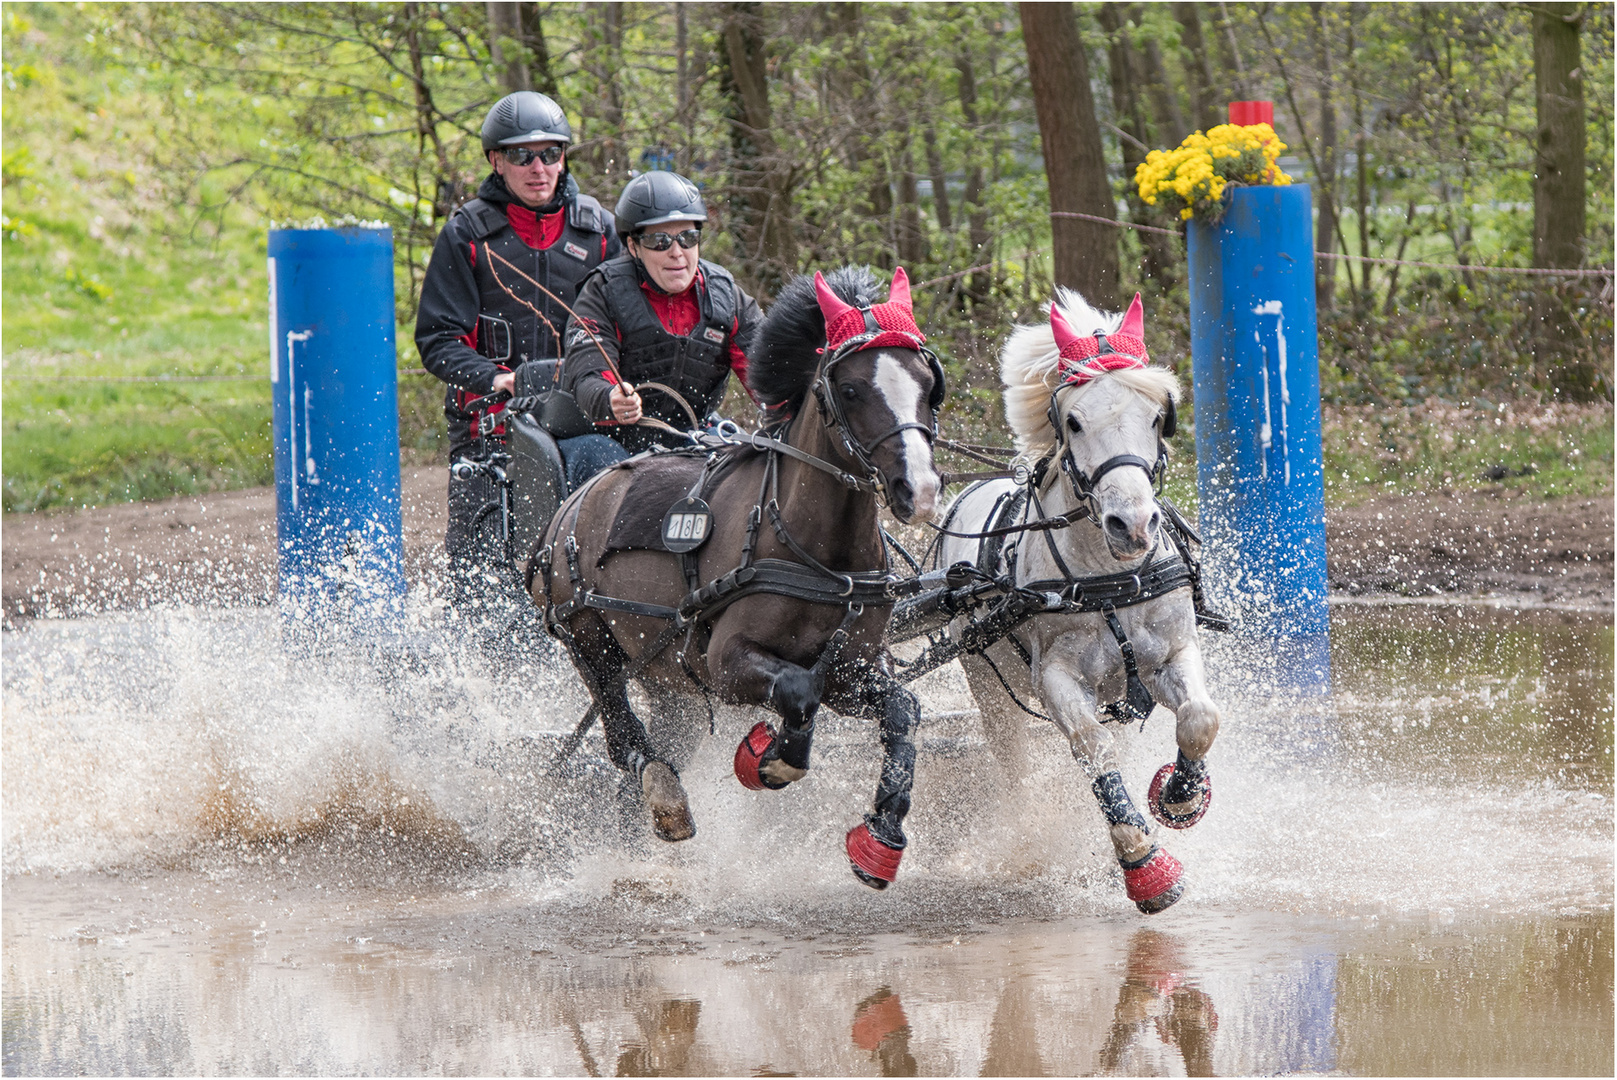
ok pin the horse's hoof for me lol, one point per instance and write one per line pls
(750, 764)
(873, 862)
(665, 797)
(1178, 818)
(1153, 884)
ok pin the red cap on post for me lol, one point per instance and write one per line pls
(1247, 113)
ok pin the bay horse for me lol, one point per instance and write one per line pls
(1122, 588)
(784, 600)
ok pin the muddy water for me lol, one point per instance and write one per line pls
(220, 858)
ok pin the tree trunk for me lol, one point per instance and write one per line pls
(1361, 165)
(1074, 158)
(1123, 65)
(1232, 48)
(682, 83)
(1559, 195)
(1559, 177)
(940, 180)
(614, 155)
(971, 200)
(451, 187)
(1325, 229)
(505, 46)
(910, 239)
(1171, 126)
(761, 176)
(533, 35)
(1204, 101)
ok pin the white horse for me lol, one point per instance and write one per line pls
(1085, 405)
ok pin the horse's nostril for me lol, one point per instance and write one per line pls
(1156, 523)
(903, 492)
(1114, 525)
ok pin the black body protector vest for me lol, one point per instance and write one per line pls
(695, 365)
(508, 331)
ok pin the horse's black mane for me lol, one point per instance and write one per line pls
(785, 352)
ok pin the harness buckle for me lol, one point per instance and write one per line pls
(1138, 588)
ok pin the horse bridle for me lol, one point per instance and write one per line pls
(835, 417)
(1083, 484)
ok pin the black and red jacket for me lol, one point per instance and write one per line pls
(475, 318)
(690, 342)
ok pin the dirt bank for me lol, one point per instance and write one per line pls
(220, 548)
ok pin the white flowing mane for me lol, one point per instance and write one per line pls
(1028, 369)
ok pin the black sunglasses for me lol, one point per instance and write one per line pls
(522, 155)
(661, 241)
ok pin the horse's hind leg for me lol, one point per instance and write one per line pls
(1181, 792)
(677, 726)
(876, 846)
(626, 740)
(1004, 723)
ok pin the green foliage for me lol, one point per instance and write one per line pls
(147, 149)
(1551, 449)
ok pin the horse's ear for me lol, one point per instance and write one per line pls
(1134, 321)
(899, 293)
(1061, 329)
(831, 305)
(1170, 419)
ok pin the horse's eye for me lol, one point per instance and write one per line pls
(1073, 425)
(850, 392)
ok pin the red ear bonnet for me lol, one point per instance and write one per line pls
(891, 324)
(1084, 357)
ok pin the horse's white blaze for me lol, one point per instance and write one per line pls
(905, 398)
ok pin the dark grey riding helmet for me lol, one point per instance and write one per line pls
(525, 117)
(653, 198)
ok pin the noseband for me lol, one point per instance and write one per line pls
(1083, 484)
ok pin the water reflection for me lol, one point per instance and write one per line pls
(1154, 993)
(881, 1029)
(186, 982)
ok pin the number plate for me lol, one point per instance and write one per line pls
(686, 525)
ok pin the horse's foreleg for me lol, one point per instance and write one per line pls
(876, 845)
(748, 673)
(602, 658)
(1150, 875)
(1181, 792)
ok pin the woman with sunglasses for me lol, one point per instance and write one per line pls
(483, 311)
(662, 314)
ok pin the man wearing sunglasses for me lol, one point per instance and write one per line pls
(659, 313)
(492, 296)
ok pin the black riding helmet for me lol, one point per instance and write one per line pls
(653, 198)
(525, 117)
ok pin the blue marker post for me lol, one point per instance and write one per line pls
(334, 379)
(1255, 356)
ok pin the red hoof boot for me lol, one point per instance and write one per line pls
(873, 862)
(1153, 799)
(750, 758)
(1154, 885)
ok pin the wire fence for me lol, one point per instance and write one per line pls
(417, 372)
(1475, 268)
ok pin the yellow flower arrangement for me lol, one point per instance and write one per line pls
(1191, 179)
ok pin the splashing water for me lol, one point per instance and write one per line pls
(164, 736)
